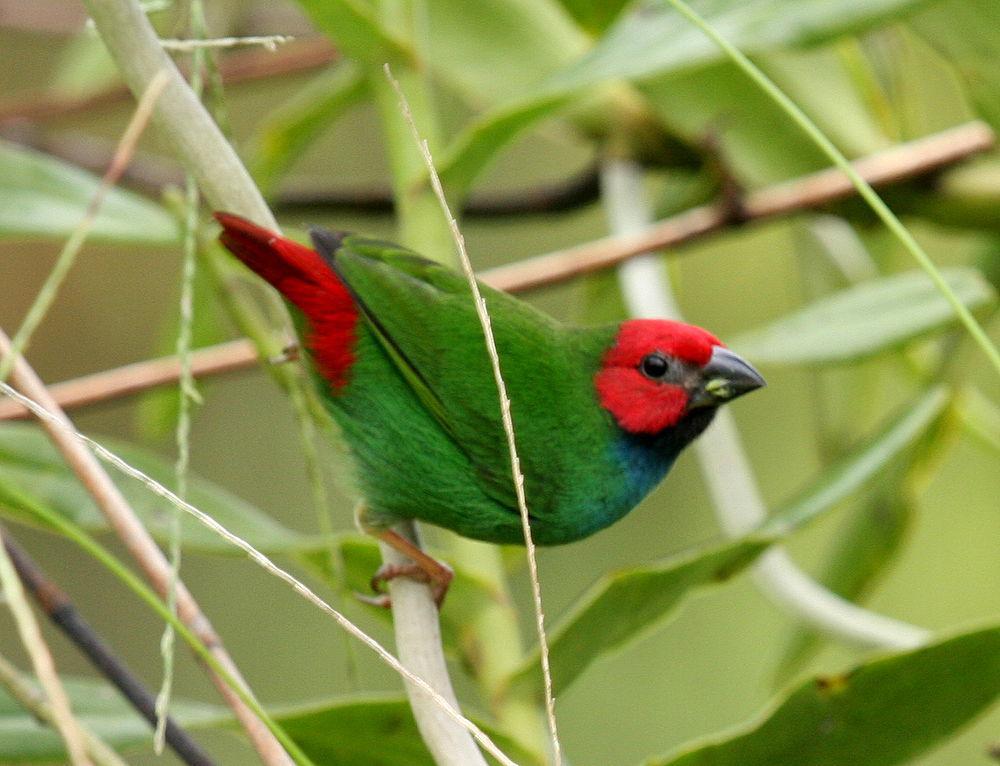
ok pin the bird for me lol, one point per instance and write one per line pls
(394, 346)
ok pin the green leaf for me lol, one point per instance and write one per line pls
(594, 15)
(857, 558)
(652, 41)
(371, 731)
(287, 131)
(967, 33)
(31, 468)
(655, 38)
(866, 319)
(883, 712)
(503, 50)
(44, 197)
(355, 27)
(24, 740)
(622, 606)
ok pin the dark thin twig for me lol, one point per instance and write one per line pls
(61, 611)
(558, 197)
(150, 174)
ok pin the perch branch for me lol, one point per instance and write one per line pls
(59, 608)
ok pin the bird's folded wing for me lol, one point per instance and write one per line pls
(425, 317)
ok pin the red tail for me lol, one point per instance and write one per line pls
(305, 279)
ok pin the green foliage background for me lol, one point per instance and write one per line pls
(919, 542)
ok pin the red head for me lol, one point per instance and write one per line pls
(657, 370)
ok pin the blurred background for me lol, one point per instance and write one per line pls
(719, 662)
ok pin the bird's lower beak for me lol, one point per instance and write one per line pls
(725, 377)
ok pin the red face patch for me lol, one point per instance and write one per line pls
(638, 404)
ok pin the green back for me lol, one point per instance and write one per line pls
(423, 315)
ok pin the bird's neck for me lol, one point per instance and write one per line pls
(648, 457)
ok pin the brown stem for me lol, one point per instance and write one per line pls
(63, 613)
(899, 163)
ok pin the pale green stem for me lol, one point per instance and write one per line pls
(187, 393)
(726, 469)
(27, 695)
(864, 188)
(41, 659)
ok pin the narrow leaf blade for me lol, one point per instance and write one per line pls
(866, 319)
(883, 712)
(43, 197)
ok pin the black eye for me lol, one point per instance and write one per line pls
(654, 365)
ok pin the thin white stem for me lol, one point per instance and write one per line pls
(508, 422)
(735, 495)
(270, 42)
(265, 563)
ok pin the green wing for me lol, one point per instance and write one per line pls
(424, 315)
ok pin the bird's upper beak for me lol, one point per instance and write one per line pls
(725, 377)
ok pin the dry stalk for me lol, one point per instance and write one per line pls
(508, 422)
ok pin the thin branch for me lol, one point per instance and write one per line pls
(57, 422)
(135, 378)
(41, 660)
(27, 695)
(900, 163)
(508, 423)
(59, 608)
(726, 469)
(892, 165)
(184, 124)
(557, 197)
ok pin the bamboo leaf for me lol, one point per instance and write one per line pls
(32, 471)
(284, 134)
(621, 607)
(881, 713)
(43, 197)
(650, 41)
(866, 319)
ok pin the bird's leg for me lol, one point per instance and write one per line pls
(424, 568)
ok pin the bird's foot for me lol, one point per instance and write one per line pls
(423, 568)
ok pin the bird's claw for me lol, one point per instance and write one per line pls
(438, 583)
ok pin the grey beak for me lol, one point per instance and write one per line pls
(725, 377)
